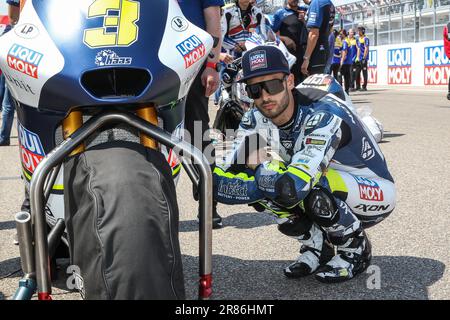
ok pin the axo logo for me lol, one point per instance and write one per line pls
(369, 189)
(372, 66)
(31, 150)
(399, 66)
(192, 49)
(437, 66)
(24, 60)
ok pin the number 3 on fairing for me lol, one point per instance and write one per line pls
(119, 23)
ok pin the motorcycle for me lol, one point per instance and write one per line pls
(99, 89)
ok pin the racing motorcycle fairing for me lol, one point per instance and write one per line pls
(102, 52)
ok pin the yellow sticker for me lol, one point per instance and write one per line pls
(119, 27)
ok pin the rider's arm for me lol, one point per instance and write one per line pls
(288, 184)
(13, 11)
(277, 21)
(315, 17)
(234, 182)
(227, 42)
(262, 24)
(313, 36)
(366, 50)
(212, 16)
(358, 51)
(344, 51)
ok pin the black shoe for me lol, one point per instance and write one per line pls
(350, 261)
(5, 143)
(448, 96)
(364, 89)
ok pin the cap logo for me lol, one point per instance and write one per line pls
(258, 60)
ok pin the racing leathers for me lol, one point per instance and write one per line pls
(330, 180)
(238, 26)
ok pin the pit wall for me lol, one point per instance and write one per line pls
(409, 64)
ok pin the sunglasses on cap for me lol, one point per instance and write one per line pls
(272, 87)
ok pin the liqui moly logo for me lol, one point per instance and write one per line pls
(437, 66)
(31, 150)
(192, 49)
(369, 190)
(399, 66)
(24, 60)
(372, 69)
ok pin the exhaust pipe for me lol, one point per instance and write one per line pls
(27, 286)
(25, 237)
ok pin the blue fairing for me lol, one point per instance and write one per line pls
(65, 91)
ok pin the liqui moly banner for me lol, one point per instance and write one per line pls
(436, 66)
(372, 67)
(399, 66)
(409, 64)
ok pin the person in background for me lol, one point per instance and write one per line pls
(447, 51)
(346, 61)
(352, 52)
(361, 59)
(238, 22)
(331, 41)
(320, 22)
(336, 58)
(291, 29)
(7, 103)
(206, 15)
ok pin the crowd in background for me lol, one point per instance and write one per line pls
(349, 54)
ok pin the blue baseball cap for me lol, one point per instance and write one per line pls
(263, 60)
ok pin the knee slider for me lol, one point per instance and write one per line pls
(321, 207)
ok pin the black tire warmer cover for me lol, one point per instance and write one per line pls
(122, 219)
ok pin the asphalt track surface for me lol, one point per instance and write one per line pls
(411, 249)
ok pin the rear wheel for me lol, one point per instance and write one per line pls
(122, 222)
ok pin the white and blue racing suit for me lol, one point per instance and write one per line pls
(325, 147)
(238, 26)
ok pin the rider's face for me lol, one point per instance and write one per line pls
(351, 33)
(275, 106)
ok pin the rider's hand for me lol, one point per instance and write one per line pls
(305, 66)
(256, 158)
(210, 80)
(225, 57)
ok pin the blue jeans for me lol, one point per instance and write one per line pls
(7, 117)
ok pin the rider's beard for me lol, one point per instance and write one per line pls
(272, 109)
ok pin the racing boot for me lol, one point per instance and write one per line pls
(352, 258)
(314, 252)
